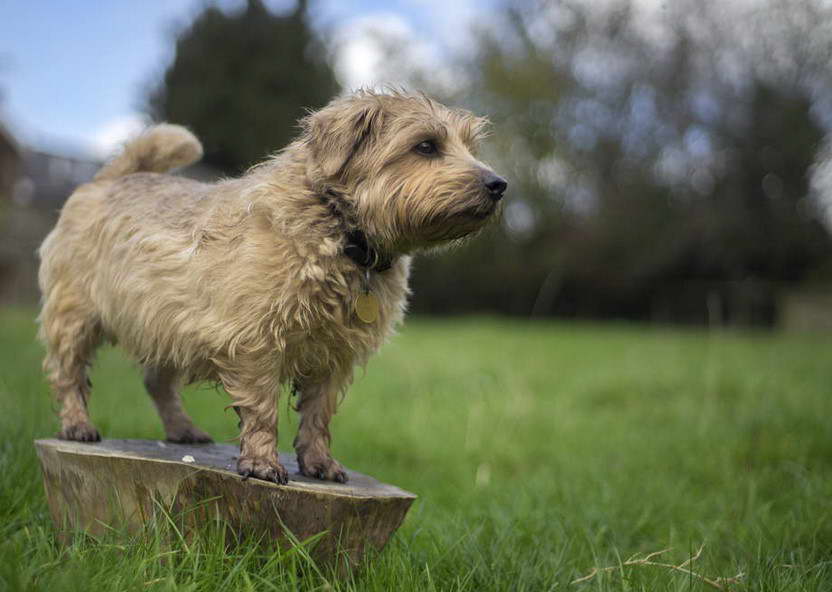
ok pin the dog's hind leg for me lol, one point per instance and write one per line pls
(71, 334)
(316, 407)
(162, 384)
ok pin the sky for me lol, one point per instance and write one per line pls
(73, 74)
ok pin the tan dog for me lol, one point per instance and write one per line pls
(290, 275)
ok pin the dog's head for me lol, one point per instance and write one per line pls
(408, 164)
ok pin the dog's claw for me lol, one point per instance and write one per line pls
(262, 468)
(82, 432)
(325, 469)
(192, 435)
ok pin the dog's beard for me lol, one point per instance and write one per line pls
(464, 220)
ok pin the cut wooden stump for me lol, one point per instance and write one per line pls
(96, 486)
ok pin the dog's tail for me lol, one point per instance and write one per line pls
(159, 149)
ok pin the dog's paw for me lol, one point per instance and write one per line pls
(190, 435)
(80, 432)
(262, 468)
(324, 468)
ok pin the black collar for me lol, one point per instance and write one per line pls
(364, 255)
(356, 246)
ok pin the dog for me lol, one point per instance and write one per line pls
(290, 275)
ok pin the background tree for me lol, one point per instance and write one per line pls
(241, 81)
(658, 163)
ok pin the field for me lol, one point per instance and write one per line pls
(540, 451)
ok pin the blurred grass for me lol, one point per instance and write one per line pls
(539, 451)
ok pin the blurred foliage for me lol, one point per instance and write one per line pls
(658, 162)
(241, 81)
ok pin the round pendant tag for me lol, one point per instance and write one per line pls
(366, 307)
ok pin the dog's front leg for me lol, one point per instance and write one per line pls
(258, 445)
(257, 408)
(316, 406)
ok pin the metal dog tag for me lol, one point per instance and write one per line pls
(366, 307)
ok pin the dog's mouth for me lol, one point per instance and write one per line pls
(482, 210)
(468, 218)
(471, 219)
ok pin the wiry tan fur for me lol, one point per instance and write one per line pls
(245, 282)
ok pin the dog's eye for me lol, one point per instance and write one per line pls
(427, 147)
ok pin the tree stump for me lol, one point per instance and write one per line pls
(95, 486)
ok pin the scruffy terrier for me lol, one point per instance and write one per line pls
(292, 274)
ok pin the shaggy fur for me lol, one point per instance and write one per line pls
(245, 281)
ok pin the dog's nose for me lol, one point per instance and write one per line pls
(496, 185)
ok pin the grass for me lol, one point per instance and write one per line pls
(540, 452)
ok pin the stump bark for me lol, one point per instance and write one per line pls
(117, 483)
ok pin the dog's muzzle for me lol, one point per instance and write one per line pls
(495, 185)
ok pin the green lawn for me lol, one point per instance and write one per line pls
(539, 451)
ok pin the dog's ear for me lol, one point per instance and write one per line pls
(336, 133)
